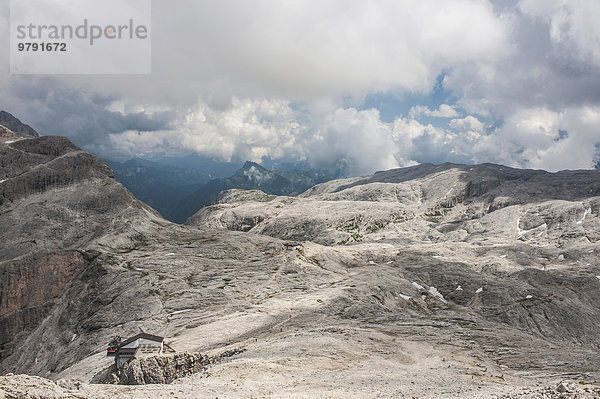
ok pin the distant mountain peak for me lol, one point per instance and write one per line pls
(13, 124)
(249, 164)
(254, 172)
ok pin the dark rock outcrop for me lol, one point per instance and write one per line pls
(16, 126)
(158, 369)
(29, 288)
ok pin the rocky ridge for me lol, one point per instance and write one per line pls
(12, 127)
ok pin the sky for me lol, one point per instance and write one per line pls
(350, 85)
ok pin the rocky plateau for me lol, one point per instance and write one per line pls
(434, 281)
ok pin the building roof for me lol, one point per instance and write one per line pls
(142, 335)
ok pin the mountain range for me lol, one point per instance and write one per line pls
(177, 192)
(251, 176)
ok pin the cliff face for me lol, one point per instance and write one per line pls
(56, 202)
(29, 288)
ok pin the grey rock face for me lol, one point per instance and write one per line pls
(29, 288)
(16, 126)
(436, 203)
(158, 369)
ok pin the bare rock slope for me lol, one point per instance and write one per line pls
(511, 253)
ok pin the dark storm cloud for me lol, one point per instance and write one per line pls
(55, 108)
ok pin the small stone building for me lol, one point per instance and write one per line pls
(142, 343)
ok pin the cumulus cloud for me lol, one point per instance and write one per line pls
(352, 142)
(444, 111)
(247, 129)
(573, 26)
(469, 123)
(533, 133)
(259, 177)
(83, 115)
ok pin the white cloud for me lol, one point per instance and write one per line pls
(346, 140)
(469, 123)
(255, 174)
(443, 111)
(530, 138)
(353, 142)
(247, 129)
(250, 129)
(538, 134)
(306, 50)
(573, 26)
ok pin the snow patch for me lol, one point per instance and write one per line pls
(529, 297)
(10, 142)
(170, 254)
(259, 177)
(2, 181)
(542, 226)
(449, 191)
(405, 297)
(433, 291)
(372, 262)
(459, 288)
(522, 232)
(180, 311)
(73, 337)
(561, 257)
(519, 223)
(598, 277)
(585, 213)
(503, 256)
(479, 290)
(417, 286)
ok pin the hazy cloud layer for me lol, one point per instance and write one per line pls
(265, 79)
